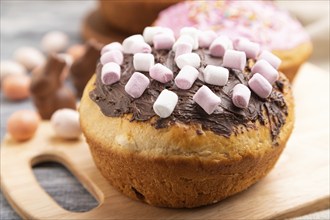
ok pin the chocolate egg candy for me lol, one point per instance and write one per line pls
(16, 87)
(8, 67)
(23, 124)
(29, 57)
(54, 41)
(65, 123)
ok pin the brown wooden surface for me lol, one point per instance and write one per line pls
(299, 183)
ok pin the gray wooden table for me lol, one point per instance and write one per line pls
(23, 23)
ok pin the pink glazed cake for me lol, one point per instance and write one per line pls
(261, 22)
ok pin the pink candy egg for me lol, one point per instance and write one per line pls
(23, 124)
(16, 87)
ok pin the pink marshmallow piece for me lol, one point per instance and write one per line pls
(220, 45)
(266, 70)
(206, 99)
(137, 84)
(161, 73)
(234, 59)
(251, 49)
(217, 50)
(241, 96)
(110, 73)
(141, 47)
(205, 38)
(186, 77)
(112, 46)
(112, 56)
(260, 85)
(183, 48)
(163, 41)
(270, 58)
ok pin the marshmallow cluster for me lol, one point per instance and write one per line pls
(234, 54)
(111, 58)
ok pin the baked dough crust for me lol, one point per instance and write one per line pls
(292, 59)
(174, 166)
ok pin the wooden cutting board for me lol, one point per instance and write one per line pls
(299, 183)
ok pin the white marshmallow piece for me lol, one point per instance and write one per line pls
(183, 39)
(112, 56)
(139, 47)
(205, 38)
(270, 58)
(150, 32)
(135, 44)
(112, 46)
(241, 96)
(137, 84)
(163, 41)
(186, 77)
(65, 123)
(161, 73)
(220, 45)
(54, 41)
(110, 73)
(132, 39)
(216, 75)
(234, 59)
(29, 57)
(182, 48)
(165, 103)
(168, 31)
(206, 99)
(190, 59)
(193, 33)
(143, 61)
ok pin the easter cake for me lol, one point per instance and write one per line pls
(185, 122)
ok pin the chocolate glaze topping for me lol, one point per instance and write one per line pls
(226, 119)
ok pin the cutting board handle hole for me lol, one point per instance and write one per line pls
(81, 200)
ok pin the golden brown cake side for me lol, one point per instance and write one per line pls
(176, 167)
(292, 59)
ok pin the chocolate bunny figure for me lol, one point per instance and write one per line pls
(48, 90)
(84, 67)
